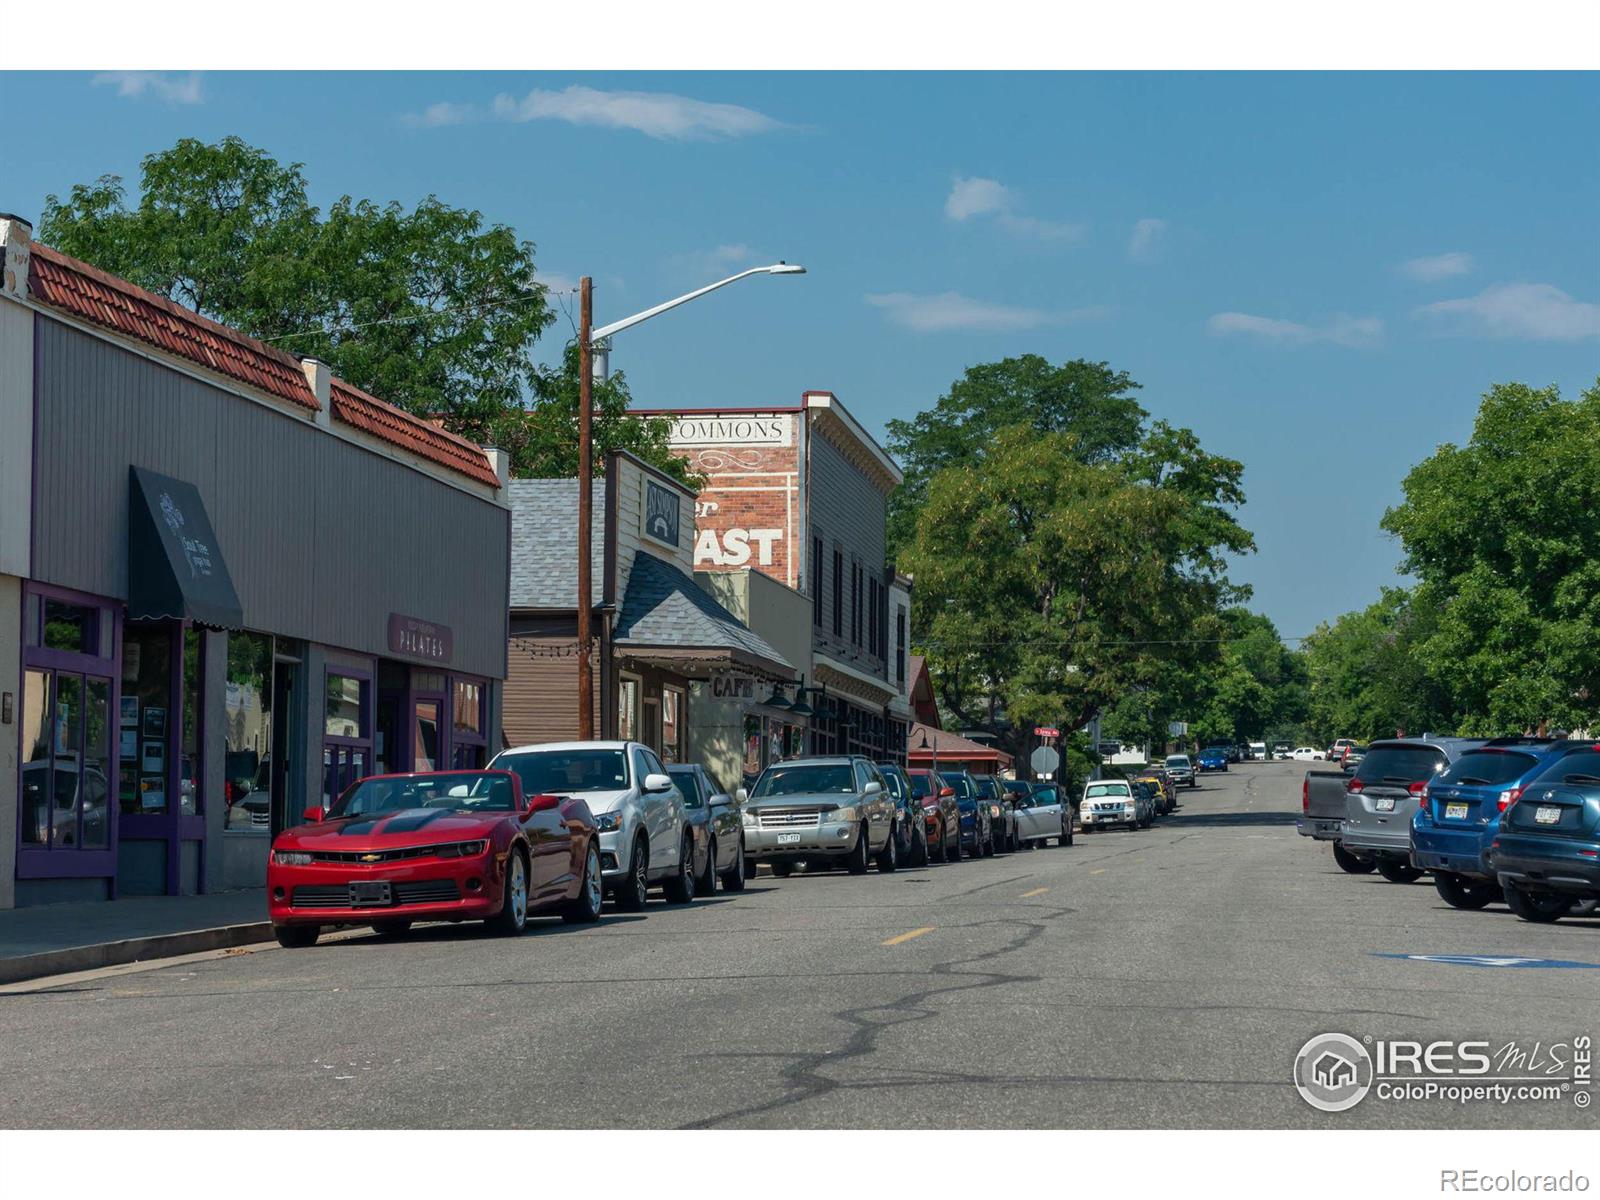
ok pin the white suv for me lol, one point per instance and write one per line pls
(1113, 802)
(645, 837)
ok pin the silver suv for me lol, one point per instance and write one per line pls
(820, 808)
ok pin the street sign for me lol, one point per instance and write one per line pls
(1177, 728)
(1044, 731)
(1045, 760)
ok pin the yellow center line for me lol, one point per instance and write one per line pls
(1035, 892)
(1098, 871)
(906, 937)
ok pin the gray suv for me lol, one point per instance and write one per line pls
(811, 809)
(1385, 792)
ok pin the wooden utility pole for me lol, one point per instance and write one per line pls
(585, 515)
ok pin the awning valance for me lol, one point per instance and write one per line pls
(175, 567)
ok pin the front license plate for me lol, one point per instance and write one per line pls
(1455, 812)
(1383, 804)
(1547, 816)
(369, 893)
(788, 839)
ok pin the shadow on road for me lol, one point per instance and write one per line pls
(1240, 820)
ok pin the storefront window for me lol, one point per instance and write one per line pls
(190, 774)
(752, 749)
(144, 725)
(247, 733)
(468, 748)
(672, 724)
(347, 733)
(628, 710)
(425, 736)
(74, 628)
(344, 715)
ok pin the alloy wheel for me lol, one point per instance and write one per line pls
(519, 890)
(591, 880)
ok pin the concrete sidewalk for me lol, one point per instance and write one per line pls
(53, 939)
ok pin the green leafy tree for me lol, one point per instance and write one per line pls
(1049, 586)
(1088, 400)
(431, 308)
(1502, 537)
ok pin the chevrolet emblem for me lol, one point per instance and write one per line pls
(372, 858)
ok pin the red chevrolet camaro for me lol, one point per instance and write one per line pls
(434, 846)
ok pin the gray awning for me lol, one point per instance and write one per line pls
(668, 617)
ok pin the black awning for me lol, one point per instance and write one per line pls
(175, 567)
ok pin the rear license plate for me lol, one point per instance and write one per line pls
(1547, 816)
(1455, 812)
(1383, 804)
(788, 839)
(369, 893)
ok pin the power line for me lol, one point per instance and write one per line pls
(430, 314)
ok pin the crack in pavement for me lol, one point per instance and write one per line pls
(803, 1078)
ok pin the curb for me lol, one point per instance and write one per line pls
(112, 954)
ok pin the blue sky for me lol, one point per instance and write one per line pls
(1318, 273)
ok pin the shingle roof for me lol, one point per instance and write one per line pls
(665, 608)
(93, 295)
(544, 566)
(399, 428)
(950, 745)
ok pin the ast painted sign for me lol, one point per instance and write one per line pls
(411, 637)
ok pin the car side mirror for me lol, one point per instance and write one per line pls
(657, 782)
(721, 802)
(543, 802)
(872, 789)
(741, 795)
(943, 792)
(312, 815)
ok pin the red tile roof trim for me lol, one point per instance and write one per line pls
(399, 428)
(102, 299)
(90, 293)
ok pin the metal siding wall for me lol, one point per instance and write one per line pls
(323, 538)
(845, 507)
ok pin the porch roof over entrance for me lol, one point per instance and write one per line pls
(666, 616)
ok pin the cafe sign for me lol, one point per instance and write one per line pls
(411, 637)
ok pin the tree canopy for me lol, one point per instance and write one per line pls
(432, 308)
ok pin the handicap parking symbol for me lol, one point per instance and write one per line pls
(1495, 960)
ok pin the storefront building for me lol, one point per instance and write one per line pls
(230, 584)
(801, 494)
(657, 633)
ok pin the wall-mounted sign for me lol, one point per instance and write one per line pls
(410, 637)
(734, 548)
(730, 431)
(733, 687)
(660, 513)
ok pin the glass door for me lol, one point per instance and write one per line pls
(426, 749)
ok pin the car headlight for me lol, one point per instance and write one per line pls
(608, 822)
(845, 812)
(291, 858)
(994, 810)
(750, 819)
(462, 849)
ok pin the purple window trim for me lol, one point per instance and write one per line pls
(40, 862)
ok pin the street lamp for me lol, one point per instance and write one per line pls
(587, 337)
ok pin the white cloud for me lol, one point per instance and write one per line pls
(1537, 311)
(947, 311)
(1145, 242)
(173, 89)
(975, 197)
(1437, 266)
(656, 114)
(446, 112)
(556, 282)
(1340, 329)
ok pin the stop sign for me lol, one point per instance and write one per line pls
(1045, 760)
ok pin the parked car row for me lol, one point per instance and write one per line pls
(1513, 818)
(557, 828)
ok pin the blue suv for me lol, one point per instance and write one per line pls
(1547, 856)
(977, 834)
(1461, 814)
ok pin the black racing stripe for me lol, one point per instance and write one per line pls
(414, 819)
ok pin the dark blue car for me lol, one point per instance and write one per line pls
(977, 837)
(1212, 758)
(1461, 812)
(1547, 855)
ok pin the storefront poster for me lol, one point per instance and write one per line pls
(155, 722)
(130, 744)
(152, 794)
(154, 759)
(130, 711)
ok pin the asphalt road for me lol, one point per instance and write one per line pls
(1164, 978)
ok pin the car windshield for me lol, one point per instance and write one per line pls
(545, 772)
(921, 786)
(1487, 767)
(1400, 764)
(1178, 760)
(959, 782)
(689, 784)
(463, 791)
(809, 777)
(988, 788)
(1108, 789)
